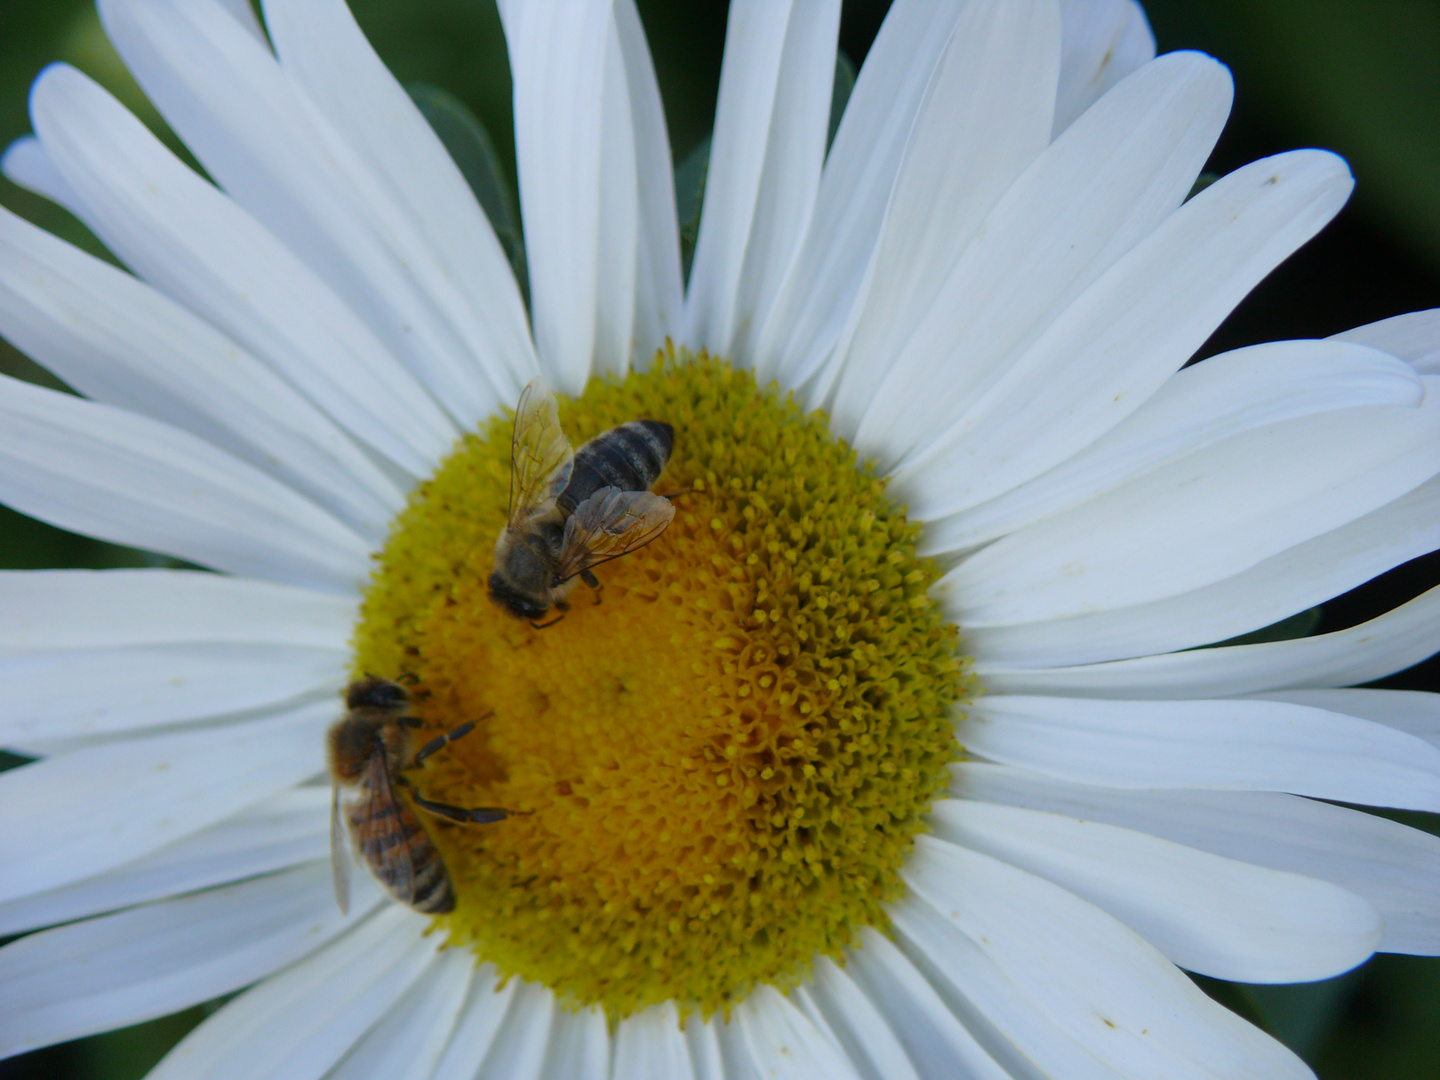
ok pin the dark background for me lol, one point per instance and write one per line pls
(1361, 77)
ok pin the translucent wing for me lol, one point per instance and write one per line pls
(609, 524)
(339, 855)
(540, 455)
(378, 821)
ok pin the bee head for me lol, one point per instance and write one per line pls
(520, 604)
(375, 693)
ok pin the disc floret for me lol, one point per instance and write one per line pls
(721, 760)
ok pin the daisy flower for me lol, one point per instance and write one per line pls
(897, 755)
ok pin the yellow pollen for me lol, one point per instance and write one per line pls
(719, 763)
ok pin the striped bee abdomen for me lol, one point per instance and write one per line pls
(399, 852)
(434, 894)
(629, 457)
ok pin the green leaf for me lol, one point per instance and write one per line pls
(1204, 180)
(1392, 1026)
(689, 197)
(1301, 624)
(470, 147)
(1303, 1015)
(840, 96)
(1354, 76)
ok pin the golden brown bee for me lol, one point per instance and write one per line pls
(369, 753)
(572, 510)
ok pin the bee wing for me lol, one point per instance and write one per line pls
(540, 456)
(376, 814)
(609, 524)
(339, 855)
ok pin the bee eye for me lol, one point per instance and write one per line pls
(512, 600)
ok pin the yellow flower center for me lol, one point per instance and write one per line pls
(720, 761)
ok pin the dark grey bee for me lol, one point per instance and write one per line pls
(572, 510)
(369, 754)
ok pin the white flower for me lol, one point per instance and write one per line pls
(991, 283)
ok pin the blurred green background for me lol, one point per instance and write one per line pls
(1361, 77)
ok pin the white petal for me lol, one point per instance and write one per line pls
(265, 141)
(1242, 745)
(118, 341)
(69, 693)
(618, 224)
(1104, 40)
(407, 1042)
(299, 1023)
(481, 1015)
(77, 609)
(574, 146)
(518, 1050)
(938, 1044)
(81, 813)
(110, 474)
(1210, 515)
(1394, 867)
(596, 188)
(1372, 650)
(1273, 589)
(1086, 974)
(816, 298)
(26, 163)
(142, 647)
(984, 118)
(322, 49)
(1197, 407)
(1414, 337)
(874, 1051)
(242, 12)
(765, 160)
(703, 1041)
(783, 1044)
(650, 1046)
(199, 247)
(290, 828)
(816, 1019)
(1413, 711)
(1088, 199)
(659, 292)
(734, 1056)
(121, 969)
(579, 1046)
(1208, 914)
(1009, 1025)
(1114, 345)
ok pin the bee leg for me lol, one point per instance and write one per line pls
(478, 815)
(552, 622)
(588, 576)
(442, 741)
(407, 678)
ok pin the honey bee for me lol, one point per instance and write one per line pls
(369, 754)
(571, 510)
